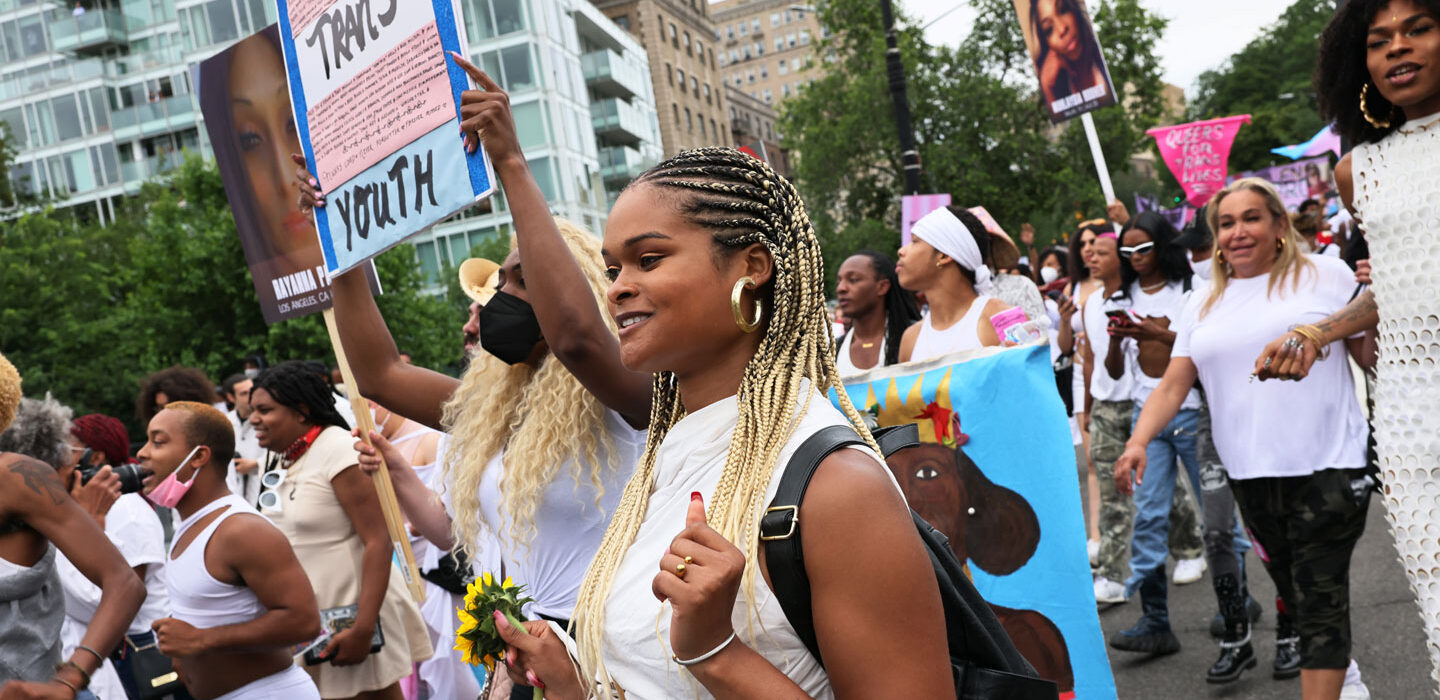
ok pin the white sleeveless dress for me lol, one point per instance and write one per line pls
(1397, 195)
(637, 627)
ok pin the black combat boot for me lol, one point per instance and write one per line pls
(1152, 634)
(1287, 647)
(1236, 654)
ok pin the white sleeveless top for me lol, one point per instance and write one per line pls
(691, 459)
(846, 366)
(1397, 198)
(964, 335)
(195, 596)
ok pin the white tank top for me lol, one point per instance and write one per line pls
(195, 596)
(842, 360)
(964, 335)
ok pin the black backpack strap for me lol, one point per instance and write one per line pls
(780, 526)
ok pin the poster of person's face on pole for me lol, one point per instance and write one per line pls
(246, 103)
(1067, 57)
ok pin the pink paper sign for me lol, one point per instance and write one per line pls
(1199, 154)
(915, 206)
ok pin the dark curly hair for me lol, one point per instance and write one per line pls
(179, 384)
(295, 385)
(1340, 73)
(1169, 256)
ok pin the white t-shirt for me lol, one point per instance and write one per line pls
(1275, 428)
(134, 528)
(1168, 302)
(568, 525)
(1102, 387)
(1329, 250)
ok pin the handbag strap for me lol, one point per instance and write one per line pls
(780, 526)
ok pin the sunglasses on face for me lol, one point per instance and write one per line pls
(1142, 249)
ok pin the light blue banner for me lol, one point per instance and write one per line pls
(996, 473)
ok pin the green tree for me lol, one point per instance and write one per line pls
(87, 311)
(1269, 79)
(982, 133)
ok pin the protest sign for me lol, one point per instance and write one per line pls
(1199, 154)
(247, 116)
(988, 221)
(377, 103)
(1178, 217)
(915, 206)
(996, 474)
(1068, 61)
(1298, 181)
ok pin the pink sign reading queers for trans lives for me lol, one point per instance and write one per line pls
(1199, 154)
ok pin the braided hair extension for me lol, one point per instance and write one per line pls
(294, 384)
(742, 202)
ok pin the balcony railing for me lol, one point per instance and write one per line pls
(610, 74)
(61, 74)
(618, 120)
(151, 118)
(93, 30)
(620, 164)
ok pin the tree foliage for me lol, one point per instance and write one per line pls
(86, 311)
(981, 130)
(1269, 79)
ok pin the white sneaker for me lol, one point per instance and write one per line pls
(1354, 688)
(1092, 547)
(1109, 592)
(1189, 571)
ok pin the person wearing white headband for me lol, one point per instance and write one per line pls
(945, 262)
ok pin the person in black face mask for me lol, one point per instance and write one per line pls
(546, 424)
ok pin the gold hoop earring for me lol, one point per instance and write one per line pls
(1220, 256)
(736, 302)
(1365, 110)
(1280, 245)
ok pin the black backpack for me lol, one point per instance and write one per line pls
(984, 661)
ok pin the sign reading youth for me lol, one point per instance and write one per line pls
(377, 108)
(1199, 154)
(1062, 44)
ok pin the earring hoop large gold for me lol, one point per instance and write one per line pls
(1365, 110)
(736, 304)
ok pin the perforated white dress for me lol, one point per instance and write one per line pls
(1397, 195)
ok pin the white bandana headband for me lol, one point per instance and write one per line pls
(944, 232)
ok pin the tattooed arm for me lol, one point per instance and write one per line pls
(31, 491)
(1279, 362)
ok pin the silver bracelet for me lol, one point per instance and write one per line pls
(706, 656)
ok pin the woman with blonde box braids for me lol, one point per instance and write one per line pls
(717, 286)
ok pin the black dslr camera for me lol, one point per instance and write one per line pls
(130, 474)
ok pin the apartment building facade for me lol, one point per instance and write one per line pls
(764, 47)
(678, 36)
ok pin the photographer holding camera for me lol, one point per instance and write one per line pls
(106, 482)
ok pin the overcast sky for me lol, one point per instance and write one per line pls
(1202, 33)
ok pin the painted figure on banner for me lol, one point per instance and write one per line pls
(1067, 56)
(997, 491)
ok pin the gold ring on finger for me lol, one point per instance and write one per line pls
(681, 569)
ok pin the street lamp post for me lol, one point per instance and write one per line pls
(895, 70)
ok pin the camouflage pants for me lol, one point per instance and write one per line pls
(1109, 429)
(1308, 527)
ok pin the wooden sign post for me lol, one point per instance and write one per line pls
(389, 505)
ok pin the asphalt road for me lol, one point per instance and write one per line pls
(1389, 644)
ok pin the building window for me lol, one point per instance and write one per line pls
(785, 90)
(755, 25)
(707, 92)
(670, 73)
(676, 108)
(768, 98)
(764, 72)
(804, 37)
(750, 76)
(675, 36)
(744, 29)
(702, 127)
(794, 65)
(745, 52)
(759, 49)
(734, 55)
(688, 50)
(730, 33)
(712, 59)
(713, 130)
(774, 19)
(680, 73)
(718, 34)
(783, 68)
(722, 60)
(689, 123)
(695, 87)
(779, 43)
(732, 113)
(789, 40)
(623, 21)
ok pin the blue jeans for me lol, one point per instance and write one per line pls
(1178, 440)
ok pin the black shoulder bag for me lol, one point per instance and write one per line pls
(984, 661)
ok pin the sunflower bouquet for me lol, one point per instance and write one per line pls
(477, 639)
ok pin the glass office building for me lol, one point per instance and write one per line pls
(99, 96)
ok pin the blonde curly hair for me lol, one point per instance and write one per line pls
(541, 417)
(9, 392)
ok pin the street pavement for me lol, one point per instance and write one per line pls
(1388, 642)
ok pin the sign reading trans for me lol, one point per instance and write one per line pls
(377, 106)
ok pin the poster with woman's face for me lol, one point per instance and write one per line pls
(246, 103)
(1067, 57)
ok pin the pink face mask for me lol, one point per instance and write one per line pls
(169, 492)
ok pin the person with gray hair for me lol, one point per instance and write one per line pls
(36, 511)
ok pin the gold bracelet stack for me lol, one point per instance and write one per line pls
(1313, 334)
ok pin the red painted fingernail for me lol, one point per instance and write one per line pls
(695, 496)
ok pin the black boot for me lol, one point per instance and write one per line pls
(1252, 609)
(1236, 654)
(1151, 635)
(1287, 647)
